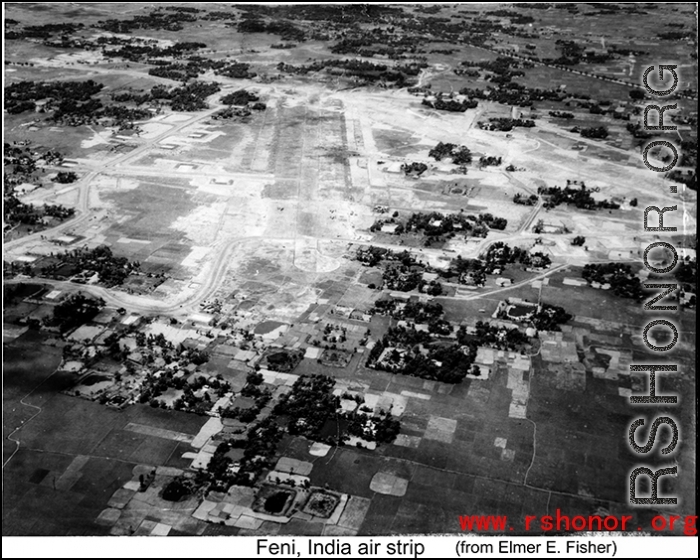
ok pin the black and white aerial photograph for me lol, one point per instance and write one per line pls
(349, 270)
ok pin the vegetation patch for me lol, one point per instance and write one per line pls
(321, 503)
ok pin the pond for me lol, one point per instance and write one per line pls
(332, 427)
(94, 378)
(276, 502)
(520, 310)
(268, 326)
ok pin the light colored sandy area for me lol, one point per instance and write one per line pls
(319, 449)
(388, 484)
(176, 118)
(213, 426)
(153, 129)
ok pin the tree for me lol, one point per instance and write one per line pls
(462, 156)
(633, 202)
(578, 241)
(75, 310)
(66, 177)
(176, 489)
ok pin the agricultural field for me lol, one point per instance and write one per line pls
(337, 270)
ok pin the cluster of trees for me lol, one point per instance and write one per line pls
(176, 71)
(138, 50)
(46, 31)
(112, 270)
(415, 168)
(549, 317)
(196, 65)
(501, 338)
(284, 360)
(233, 69)
(442, 103)
(416, 311)
(675, 35)
(367, 72)
(382, 427)
(416, 354)
(376, 42)
(240, 103)
(505, 124)
(580, 197)
(65, 177)
(623, 282)
(403, 273)
(189, 401)
(636, 130)
(466, 271)
(513, 93)
(232, 112)
(189, 97)
(525, 200)
(156, 380)
(20, 166)
(460, 155)
(561, 115)
(499, 255)
(688, 177)
(372, 256)
(240, 97)
(178, 488)
(513, 16)
(259, 447)
(594, 132)
(687, 273)
(435, 224)
(71, 103)
(309, 405)
(16, 212)
(466, 72)
(252, 389)
(286, 30)
(169, 18)
(20, 159)
(123, 116)
(402, 278)
(503, 69)
(75, 310)
(573, 53)
(485, 161)
(312, 407)
(65, 97)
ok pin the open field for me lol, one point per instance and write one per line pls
(309, 233)
(73, 454)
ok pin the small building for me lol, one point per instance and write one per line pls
(685, 253)
(201, 318)
(53, 295)
(130, 320)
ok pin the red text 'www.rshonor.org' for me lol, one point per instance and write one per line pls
(560, 522)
